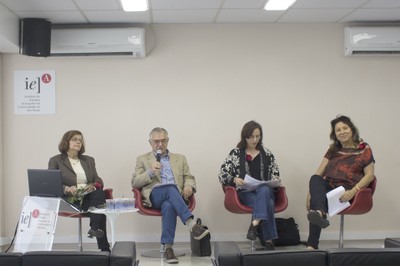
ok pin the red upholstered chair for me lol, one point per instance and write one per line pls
(233, 204)
(109, 195)
(361, 204)
(154, 212)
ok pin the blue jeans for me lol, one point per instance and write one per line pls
(262, 200)
(170, 202)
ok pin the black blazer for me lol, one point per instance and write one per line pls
(62, 163)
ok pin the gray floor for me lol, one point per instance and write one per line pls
(189, 259)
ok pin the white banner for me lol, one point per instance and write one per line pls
(35, 92)
(37, 224)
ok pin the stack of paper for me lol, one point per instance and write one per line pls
(334, 204)
(252, 183)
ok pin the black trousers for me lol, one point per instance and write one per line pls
(318, 189)
(97, 221)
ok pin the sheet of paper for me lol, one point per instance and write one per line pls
(252, 183)
(334, 204)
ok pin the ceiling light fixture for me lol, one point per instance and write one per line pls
(278, 4)
(134, 5)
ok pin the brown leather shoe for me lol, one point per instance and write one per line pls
(170, 257)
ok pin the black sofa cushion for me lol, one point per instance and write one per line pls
(65, 258)
(284, 257)
(227, 254)
(123, 254)
(392, 242)
(10, 259)
(364, 257)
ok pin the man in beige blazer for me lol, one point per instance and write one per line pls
(166, 183)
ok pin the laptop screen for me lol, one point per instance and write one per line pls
(45, 183)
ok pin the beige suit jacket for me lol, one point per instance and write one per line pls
(142, 180)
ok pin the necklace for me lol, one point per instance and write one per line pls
(74, 161)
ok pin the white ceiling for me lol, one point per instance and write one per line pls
(205, 11)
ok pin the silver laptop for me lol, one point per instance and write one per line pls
(48, 183)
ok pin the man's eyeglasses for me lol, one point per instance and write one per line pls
(158, 141)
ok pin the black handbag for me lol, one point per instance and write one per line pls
(288, 233)
(201, 247)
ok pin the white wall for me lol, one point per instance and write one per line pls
(202, 83)
(1, 155)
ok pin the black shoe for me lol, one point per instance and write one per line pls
(252, 233)
(315, 217)
(269, 246)
(95, 233)
(170, 257)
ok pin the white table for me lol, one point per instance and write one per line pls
(112, 216)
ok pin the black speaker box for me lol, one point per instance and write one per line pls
(35, 37)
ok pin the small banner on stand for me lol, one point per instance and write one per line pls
(37, 224)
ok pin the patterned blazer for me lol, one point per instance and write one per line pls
(142, 180)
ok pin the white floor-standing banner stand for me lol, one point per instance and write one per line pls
(37, 224)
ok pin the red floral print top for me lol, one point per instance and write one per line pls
(346, 166)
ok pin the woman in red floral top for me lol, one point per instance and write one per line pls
(349, 162)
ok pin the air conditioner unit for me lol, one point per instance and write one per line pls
(122, 41)
(371, 40)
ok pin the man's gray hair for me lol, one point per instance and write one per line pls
(158, 130)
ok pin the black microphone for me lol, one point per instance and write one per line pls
(158, 155)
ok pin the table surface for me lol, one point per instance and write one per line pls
(106, 211)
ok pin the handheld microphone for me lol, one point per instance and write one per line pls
(158, 155)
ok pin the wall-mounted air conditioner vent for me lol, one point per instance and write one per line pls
(372, 40)
(125, 41)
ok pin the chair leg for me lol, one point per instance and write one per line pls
(341, 231)
(253, 246)
(80, 234)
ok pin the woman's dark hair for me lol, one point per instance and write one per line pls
(64, 143)
(336, 145)
(246, 133)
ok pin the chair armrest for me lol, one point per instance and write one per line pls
(281, 200)
(361, 203)
(232, 202)
(109, 193)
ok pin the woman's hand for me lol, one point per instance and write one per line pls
(348, 195)
(238, 181)
(70, 190)
(89, 188)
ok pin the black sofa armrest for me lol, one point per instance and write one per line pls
(392, 242)
(363, 256)
(11, 259)
(285, 258)
(123, 254)
(65, 258)
(227, 254)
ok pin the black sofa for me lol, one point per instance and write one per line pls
(122, 254)
(229, 254)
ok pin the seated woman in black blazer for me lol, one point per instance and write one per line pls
(80, 177)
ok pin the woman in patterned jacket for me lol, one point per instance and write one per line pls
(251, 158)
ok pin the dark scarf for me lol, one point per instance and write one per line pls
(265, 161)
